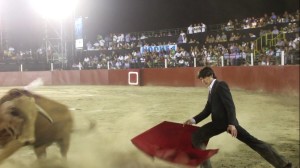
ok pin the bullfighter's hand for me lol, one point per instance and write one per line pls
(189, 122)
(232, 130)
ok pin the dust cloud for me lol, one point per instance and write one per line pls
(122, 112)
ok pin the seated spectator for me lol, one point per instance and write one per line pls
(296, 41)
(192, 51)
(197, 28)
(115, 38)
(254, 23)
(183, 53)
(229, 26)
(121, 38)
(211, 39)
(267, 19)
(232, 37)
(102, 44)
(273, 18)
(96, 45)
(295, 27)
(246, 26)
(270, 53)
(218, 38)
(297, 15)
(224, 37)
(182, 38)
(133, 38)
(292, 18)
(89, 46)
(280, 43)
(237, 36)
(190, 30)
(86, 62)
(275, 31)
(191, 41)
(251, 35)
(285, 17)
(247, 23)
(143, 36)
(203, 27)
(291, 44)
(207, 39)
(127, 38)
(237, 24)
(107, 40)
(261, 22)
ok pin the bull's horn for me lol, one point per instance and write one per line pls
(44, 113)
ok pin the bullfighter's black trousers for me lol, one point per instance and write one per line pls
(204, 133)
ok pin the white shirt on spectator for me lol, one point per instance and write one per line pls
(115, 38)
(190, 29)
(102, 42)
(203, 27)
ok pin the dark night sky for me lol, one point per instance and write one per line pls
(138, 15)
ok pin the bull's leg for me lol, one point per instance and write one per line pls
(64, 146)
(9, 149)
(40, 152)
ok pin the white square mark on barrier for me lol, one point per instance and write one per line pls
(129, 78)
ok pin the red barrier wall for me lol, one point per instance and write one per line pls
(169, 77)
(28, 77)
(120, 77)
(10, 79)
(267, 78)
(65, 77)
(94, 77)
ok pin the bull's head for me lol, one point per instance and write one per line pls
(18, 117)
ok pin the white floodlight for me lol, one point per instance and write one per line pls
(54, 9)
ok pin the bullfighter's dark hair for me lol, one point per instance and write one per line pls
(205, 72)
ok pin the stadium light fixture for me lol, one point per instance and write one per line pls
(54, 9)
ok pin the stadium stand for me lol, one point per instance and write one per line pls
(227, 44)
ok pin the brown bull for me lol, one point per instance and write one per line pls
(31, 119)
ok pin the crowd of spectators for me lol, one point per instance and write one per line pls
(198, 46)
(195, 45)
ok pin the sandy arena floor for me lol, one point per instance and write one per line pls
(122, 112)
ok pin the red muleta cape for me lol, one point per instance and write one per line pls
(171, 142)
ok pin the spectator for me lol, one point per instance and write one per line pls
(224, 37)
(127, 38)
(197, 28)
(89, 46)
(86, 62)
(275, 31)
(273, 18)
(190, 30)
(143, 36)
(230, 25)
(203, 27)
(270, 53)
(296, 41)
(182, 38)
(115, 38)
(102, 43)
(251, 35)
